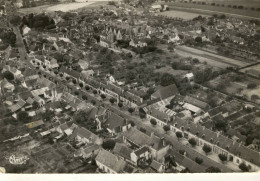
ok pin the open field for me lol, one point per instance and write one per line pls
(61, 7)
(253, 71)
(210, 58)
(180, 14)
(210, 10)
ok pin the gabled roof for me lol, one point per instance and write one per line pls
(196, 102)
(156, 165)
(141, 150)
(71, 72)
(165, 92)
(137, 137)
(111, 161)
(115, 121)
(122, 150)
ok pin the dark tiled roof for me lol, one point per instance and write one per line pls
(155, 165)
(141, 150)
(166, 92)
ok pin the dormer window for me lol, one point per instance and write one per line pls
(227, 147)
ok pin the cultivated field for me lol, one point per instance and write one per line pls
(180, 14)
(211, 59)
(222, 8)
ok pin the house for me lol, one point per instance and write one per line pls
(85, 74)
(25, 30)
(83, 64)
(195, 102)
(141, 153)
(82, 135)
(110, 163)
(35, 124)
(167, 92)
(6, 86)
(189, 76)
(138, 43)
(157, 166)
(123, 151)
(51, 63)
(89, 151)
(116, 124)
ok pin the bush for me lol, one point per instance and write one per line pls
(132, 123)
(235, 7)
(243, 167)
(94, 91)
(206, 148)
(84, 97)
(93, 102)
(193, 142)
(251, 85)
(198, 160)
(143, 130)
(24, 117)
(222, 157)
(81, 84)
(240, 7)
(76, 93)
(74, 81)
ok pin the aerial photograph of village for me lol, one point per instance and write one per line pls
(129, 86)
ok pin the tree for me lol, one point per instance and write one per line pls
(48, 115)
(61, 75)
(24, 117)
(206, 148)
(109, 144)
(166, 128)
(35, 105)
(130, 110)
(81, 84)
(84, 97)
(87, 87)
(76, 93)
(213, 170)
(198, 160)
(8, 38)
(112, 100)
(243, 167)
(222, 157)
(73, 81)
(132, 123)
(193, 142)
(93, 102)
(8, 75)
(179, 134)
(120, 104)
(15, 20)
(220, 124)
(67, 78)
(94, 91)
(167, 79)
(143, 130)
(153, 122)
(103, 96)
(198, 39)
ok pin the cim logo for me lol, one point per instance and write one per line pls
(18, 160)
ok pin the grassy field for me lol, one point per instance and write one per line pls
(180, 14)
(211, 59)
(209, 9)
(254, 71)
(62, 7)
